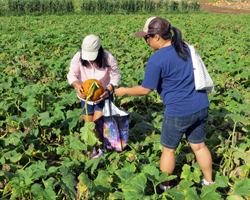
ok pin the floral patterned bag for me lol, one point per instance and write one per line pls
(114, 124)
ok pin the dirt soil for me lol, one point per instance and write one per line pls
(223, 6)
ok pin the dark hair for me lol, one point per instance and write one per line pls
(179, 44)
(177, 41)
(100, 59)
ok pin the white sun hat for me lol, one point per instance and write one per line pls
(90, 47)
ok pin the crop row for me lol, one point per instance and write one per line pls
(39, 7)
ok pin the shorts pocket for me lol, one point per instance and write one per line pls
(184, 122)
(204, 114)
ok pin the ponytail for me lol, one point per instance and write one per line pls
(177, 42)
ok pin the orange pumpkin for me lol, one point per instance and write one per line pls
(97, 92)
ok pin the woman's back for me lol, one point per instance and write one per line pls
(174, 80)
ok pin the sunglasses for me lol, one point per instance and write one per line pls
(148, 36)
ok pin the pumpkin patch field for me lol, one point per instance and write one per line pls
(44, 143)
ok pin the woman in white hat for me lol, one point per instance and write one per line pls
(170, 72)
(93, 62)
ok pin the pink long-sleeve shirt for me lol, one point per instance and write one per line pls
(107, 76)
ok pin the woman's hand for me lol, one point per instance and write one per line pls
(104, 95)
(120, 92)
(134, 91)
(79, 90)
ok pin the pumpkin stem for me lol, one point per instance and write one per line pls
(93, 85)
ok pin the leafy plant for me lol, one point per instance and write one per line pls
(44, 143)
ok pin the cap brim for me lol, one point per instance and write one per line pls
(140, 34)
(86, 55)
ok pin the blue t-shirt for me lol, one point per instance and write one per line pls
(174, 80)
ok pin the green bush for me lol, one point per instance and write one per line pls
(39, 7)
(195, 5)
(184, 5)
(174, 5)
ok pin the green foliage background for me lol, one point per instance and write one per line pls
(44, 144)
(93, 7)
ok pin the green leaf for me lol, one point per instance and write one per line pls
(137, 116)
(13, 118)
(84, 180)
(73, 116)
(76, 144)
(2, 160)
(103, 181)
(235, 197)
(178, 194)
(39, 192)
(236, 95)
(38, 169)
(13, 156)
(185, 184)
(129, 167)
(164, 176)
(113, 166)
(191, 193)
(68, 183)
(190, 157)
(87, 136)
(242, 187)
(58, 115)
(46, 120)
(185, 191)
(7, 175)
(238, 118)
(83, 185)
(189, 175)
(14, 139)
(136, 188)
(26, 122)
(155, 175)
(221, 180)
(31, 109)
(125, 176)
(68, 99)
(151, 172)
(25, 176)
(34, 132)
(94, 163)
(209, 193)
(142, 127)
(50, 182)
(30, 149)
(52, 171)
(116, 195)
